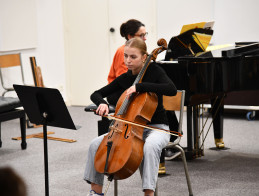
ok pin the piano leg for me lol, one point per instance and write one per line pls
(189, 152)
(193, 141)
(217, 113)
(196, 132)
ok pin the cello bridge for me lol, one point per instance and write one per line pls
(115, 129)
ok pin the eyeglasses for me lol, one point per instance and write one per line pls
(142, 35)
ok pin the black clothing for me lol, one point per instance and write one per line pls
(155, 80)
(173, 126)
(173, 123)
(113, 99)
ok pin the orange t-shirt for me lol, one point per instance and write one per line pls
(118, 66)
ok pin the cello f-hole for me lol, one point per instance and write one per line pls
(127, 126)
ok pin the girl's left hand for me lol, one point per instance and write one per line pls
(131, 90)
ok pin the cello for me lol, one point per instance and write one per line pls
(121, 150)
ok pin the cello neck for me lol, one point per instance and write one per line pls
(143, 70)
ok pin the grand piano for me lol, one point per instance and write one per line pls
(210, 77)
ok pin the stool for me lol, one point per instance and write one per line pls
(9, 111)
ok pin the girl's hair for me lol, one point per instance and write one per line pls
(138, 43)
(130, 27)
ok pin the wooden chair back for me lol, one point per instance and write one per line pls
(173, 103)
(9, 61)
(176, 103)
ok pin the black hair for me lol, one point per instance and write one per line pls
(130, 27)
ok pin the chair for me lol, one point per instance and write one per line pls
(9, 64)
(9, 111)
(9, 105)
(176, 103)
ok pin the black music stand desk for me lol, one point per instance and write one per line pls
(184, 44)
(45, 106)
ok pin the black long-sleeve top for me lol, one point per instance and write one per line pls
(155, 80)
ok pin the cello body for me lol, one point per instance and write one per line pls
(126, 152)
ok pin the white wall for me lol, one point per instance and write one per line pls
(172, 15)
(235, 20)
(17, 24)
(90, 46)
(86, 48)
(49, 52)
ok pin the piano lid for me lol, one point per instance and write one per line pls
(242, 50)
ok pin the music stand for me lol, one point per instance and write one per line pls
(44, 106)
(185, 44)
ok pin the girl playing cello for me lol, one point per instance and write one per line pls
(155, 80)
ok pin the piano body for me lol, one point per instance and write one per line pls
(211, 77)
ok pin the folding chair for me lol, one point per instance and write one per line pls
(176, 103)
(10, 64)
(9, 106)
(9, 110)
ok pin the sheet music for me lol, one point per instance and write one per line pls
(209, 25)
(203, 25)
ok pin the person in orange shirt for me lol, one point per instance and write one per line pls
(128, 30)
(131, 28)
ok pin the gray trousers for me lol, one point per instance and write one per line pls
(155, 141)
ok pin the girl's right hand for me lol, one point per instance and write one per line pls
(102, 109)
